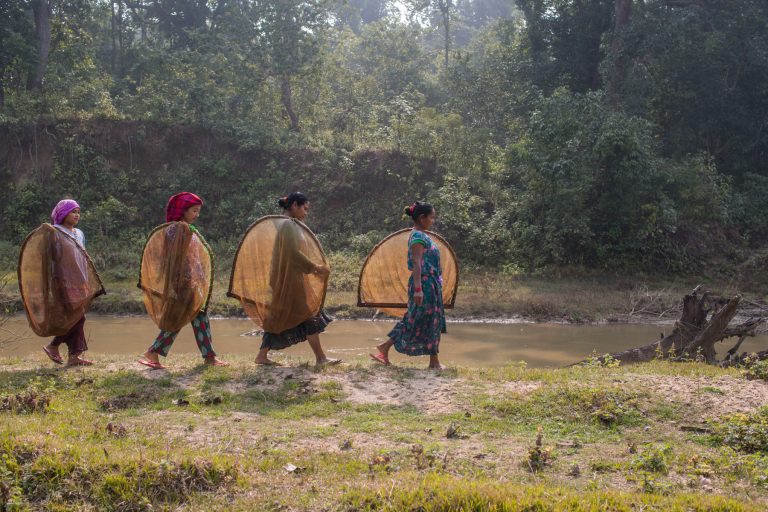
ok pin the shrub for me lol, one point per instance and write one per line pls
(757, 370)
(654, 459)
(744, 432)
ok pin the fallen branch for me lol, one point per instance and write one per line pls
(704, 320)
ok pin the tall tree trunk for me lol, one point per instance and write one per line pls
(120, 47)
(42, 11)
(286, 95)
(114, 37)
(139, 11)
(622, 16)
(445, 10)
(533, 11)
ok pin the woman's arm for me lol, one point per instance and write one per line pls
(417, 254)
(292, 246)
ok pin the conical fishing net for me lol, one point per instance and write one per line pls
(273, 273)
(57, 281)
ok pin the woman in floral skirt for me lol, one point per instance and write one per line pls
(418, 333)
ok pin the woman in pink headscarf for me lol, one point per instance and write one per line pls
(65, 217)
(184, 207)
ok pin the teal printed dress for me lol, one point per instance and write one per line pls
(418, 333)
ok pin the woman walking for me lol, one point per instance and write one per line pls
(418, 333)
(289, 264)
(65, 217)
(185, 207)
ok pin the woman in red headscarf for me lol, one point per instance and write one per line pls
(184, 207)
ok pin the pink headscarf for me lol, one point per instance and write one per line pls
(62, 209)
(178, 204)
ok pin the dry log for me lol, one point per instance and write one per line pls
(704, 321)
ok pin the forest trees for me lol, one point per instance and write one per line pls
(605, 133)
(16, 46)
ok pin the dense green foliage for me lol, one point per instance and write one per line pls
(550, 133)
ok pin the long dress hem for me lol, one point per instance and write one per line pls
(295, 335)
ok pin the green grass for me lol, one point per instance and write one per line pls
(111, 438)
(441, 493)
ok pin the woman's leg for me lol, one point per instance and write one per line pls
(161, 346)
(263, 356)
(201, 327)
(434, 363)
(320, 357)
(76, 344)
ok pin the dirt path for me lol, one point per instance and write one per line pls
(710, 397)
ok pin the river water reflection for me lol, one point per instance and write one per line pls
(466, 344)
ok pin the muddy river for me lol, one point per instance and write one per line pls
(467, 344)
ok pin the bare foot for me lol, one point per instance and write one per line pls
(151, 356)
(438, 367)
(326, 362)
(215, 361)
(266, 362)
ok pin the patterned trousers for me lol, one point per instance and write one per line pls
(201, 327)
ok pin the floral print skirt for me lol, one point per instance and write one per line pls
(418, 333)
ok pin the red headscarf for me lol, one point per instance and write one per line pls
(178, 204)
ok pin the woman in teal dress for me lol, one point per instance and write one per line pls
(418, 333)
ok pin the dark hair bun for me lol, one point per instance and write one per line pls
(293, 197)
(418, 209)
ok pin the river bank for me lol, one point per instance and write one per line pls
(364, 437)
(476, 345)
(484, 296)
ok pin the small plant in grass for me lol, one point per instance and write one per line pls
(454, 432)
(604, 361)
(35, 398)
(423, 460)
(380, 461)
(757, 370)
(612, 407)
(743, 432)
(712, 389)
(604, 466)
(652, 485)
(756, 466)
(10, 493)
(78, 483)
(539, 457)
(606, 406)
(654, 459)
(700, 465)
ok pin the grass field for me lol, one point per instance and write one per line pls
(653, 437)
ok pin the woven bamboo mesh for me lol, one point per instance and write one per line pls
(57, 280)
(384, 278)
(175, 278)
(273, 273)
